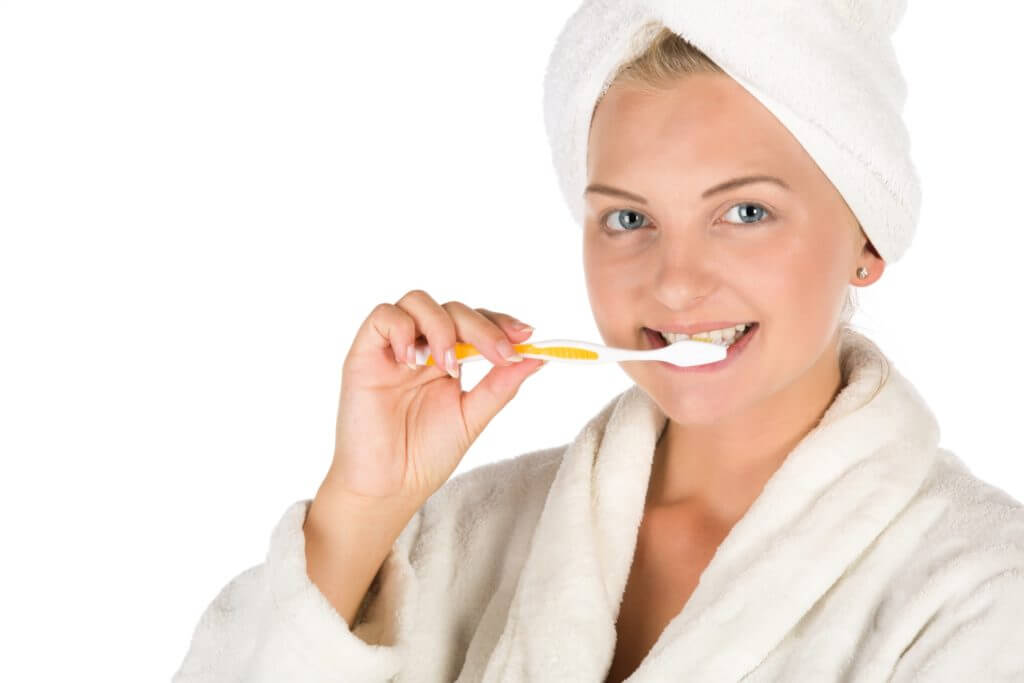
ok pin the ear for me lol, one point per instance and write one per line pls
(873, 261)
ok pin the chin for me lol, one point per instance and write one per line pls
(691, 403)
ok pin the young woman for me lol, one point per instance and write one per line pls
(783, 515)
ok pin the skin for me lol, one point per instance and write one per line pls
(785, 262)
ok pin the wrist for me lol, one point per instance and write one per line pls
(372, 514)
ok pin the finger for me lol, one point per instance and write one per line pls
(513, 327)
(493, 392)
(386, 326)
(484, 333)
(433, 322)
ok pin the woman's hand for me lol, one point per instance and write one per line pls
(402, 432)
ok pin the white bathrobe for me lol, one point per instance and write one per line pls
(871, 554)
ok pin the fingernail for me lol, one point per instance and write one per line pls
(522, 327)
(507, 352)
(449, 361)
(410, 357)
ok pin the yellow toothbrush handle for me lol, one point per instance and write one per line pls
(557, 351)
(464, 352)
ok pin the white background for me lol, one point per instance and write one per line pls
(200, 202)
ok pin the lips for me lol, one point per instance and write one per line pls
(657, 341)
(691, 329)
(735, 350)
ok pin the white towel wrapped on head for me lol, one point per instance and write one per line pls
(826, 70)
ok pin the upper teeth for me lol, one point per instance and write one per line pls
(724, 336)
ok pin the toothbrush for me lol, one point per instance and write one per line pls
(685, 352)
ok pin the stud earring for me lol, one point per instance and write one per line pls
(862, 272)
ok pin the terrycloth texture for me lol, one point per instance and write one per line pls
(826, 70)
(870, 555)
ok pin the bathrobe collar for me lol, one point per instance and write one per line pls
(832, 496)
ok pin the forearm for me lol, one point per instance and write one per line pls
(347, 541)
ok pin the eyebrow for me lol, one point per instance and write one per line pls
(721, 187)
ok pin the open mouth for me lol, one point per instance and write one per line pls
(658, 340)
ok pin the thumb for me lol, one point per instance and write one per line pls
(493, 392)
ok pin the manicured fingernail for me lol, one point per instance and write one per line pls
(449, 361)
(522, 327)
(410, 357)
(507, 352)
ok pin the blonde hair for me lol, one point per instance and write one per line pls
(667, 58)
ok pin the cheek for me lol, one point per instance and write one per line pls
(613, 302)
(803, 287)
(607, 295)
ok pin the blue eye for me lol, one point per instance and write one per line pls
(753, 215)
(630, 220)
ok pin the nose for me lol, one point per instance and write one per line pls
(684, 269)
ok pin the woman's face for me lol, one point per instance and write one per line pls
(681, 254)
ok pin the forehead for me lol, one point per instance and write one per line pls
(705, 119)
